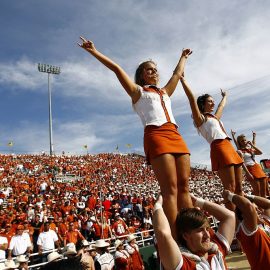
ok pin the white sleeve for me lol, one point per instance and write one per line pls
(55, 237)
(39, 241)
(29, 243)
(129, 249)
(11, 244)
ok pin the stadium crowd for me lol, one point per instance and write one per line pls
(53, 201)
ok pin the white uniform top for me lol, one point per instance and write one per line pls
(3, 240)
(19, 244)
(217, 261)
(131, 249)
(151, 107)
(106, 261)
(46, 240)
(248, 160)
(121, 254)
(211, 129)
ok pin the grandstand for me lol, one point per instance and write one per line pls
(125, 180)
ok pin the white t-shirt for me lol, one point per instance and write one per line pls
(46, 240)
(43, 186)
(3, 240)
(19, 244)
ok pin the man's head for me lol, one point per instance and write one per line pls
(192, 227)
(46, 226)
(20, 229)
(71, 226)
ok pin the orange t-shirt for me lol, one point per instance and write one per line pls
(73, 237)
(256, 245)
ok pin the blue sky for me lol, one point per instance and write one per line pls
(230, 42)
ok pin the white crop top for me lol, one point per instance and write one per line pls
(211, 129)
(154, 107)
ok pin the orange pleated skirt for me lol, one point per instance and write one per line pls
(256, 171)
(223, 154)
(163, 139)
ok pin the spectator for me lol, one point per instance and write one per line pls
(20, 243)
(63, 228)
(93, 253)
(72, 235)
(36, 225)
(54, 256)
(104, 228)
(68, 264)
(70, 250)
(3, 247)
(8, 232)
(133, 250)
(82, 250)
(105, 260)
(43, 187)
(146, 235)
(10, 264)
(122, 258)
(147, 218)
(119, 227)
(23, 262)
(47, 240)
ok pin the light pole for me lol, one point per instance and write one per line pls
(50, 70)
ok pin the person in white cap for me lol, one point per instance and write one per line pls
(105, 261)
(67, 264)
(3, 247)
(54, 256)
(133, 249)
(10, 264)
(122, 258)
(23, 262)
(82, 250)
(70, 250)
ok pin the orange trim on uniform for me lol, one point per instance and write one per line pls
(160, 92)
(256, 247)
(256, 171)
(223, 154)
(163, 139)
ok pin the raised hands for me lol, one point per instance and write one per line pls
(86, 44)
(186, 52)
(223, 93)
(233, 132)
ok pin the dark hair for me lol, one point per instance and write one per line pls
(187, 220)
(201, 101)
(138, 78)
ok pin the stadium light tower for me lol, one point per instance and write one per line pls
(50, 70)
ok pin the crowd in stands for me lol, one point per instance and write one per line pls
(52, 201)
